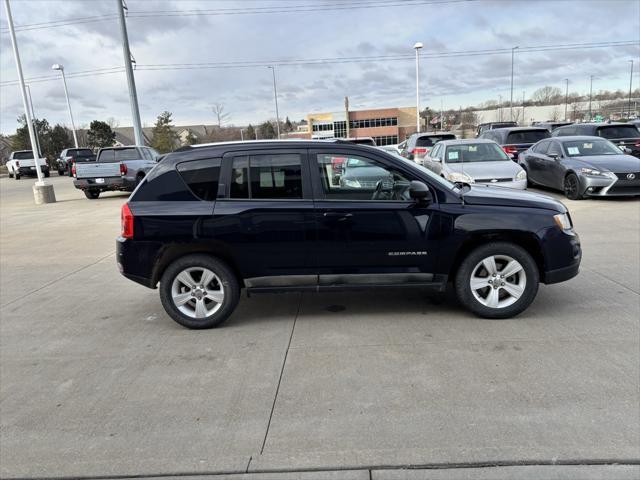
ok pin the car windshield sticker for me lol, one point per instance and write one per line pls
(452, 155)
(573, 151)
(587, 145)
(472, 148)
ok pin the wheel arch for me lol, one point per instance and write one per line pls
(171, 253)
(528, 241)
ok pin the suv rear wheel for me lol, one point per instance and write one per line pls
(199, 291)
(497, 280)
(92, 194)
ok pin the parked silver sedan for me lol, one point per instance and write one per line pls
(475, 161)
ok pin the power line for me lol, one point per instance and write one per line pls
(333, 60)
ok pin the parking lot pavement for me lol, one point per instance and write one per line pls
(97, 380)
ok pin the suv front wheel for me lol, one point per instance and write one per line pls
(497, 280)
(199, 291)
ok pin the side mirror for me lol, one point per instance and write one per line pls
(554, 156)
(419, 191)
(436, 159)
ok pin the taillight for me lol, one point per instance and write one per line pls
(637, 144)
(509, 150)
(123, 169)
(17, 163)
(126, 219)
(73, 169)
(419, 151)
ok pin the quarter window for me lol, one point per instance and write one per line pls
(267, 177)
(350, 177)
(201, 176)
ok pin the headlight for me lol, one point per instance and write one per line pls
(563, 221)
(351, 183)
(521, 175)
(593, 173)
(459, 177)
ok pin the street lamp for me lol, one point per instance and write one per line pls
(275, 96)
(513, 50)
(417, 48)
(566, 99)
(630, 87)
(57, 66)
(35, 125)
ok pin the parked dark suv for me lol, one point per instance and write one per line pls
(209, 220)
(514, 140)
(622, 134)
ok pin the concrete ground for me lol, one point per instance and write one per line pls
(96, 380)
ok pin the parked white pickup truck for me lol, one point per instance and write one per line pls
(21, 162)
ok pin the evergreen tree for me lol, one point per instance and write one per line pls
(267, 130)
(100, 135)
(190, 139)
(288, 126)
(58, 140)
(164, 137)
(251, 133)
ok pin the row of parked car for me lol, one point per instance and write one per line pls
(581, 160)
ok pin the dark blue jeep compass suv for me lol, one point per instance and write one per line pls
(209, 220)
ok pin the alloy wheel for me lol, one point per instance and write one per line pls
(571, 187)
(498, 281)
(197, 292)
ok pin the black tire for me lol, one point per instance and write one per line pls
(501, 249)
(61, 173)
(92, 194)
(571, 187)
(221, 270)
(10, 175)
(139, 178)
(47, 174)
(17, 176)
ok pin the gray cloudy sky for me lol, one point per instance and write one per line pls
(169, 33)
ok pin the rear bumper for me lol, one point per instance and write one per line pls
(136, 260)
(32, 170)
(109, 184)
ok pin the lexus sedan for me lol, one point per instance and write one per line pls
(582, 167)
(475, 161)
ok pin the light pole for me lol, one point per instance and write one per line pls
(499, 108)
(590, 95)
(57, 66)
(42, 191)
(566, 98)
(35, 125)
(417, 48)
(630, 87)
(275, 96)
(241, 135)
(513, 50)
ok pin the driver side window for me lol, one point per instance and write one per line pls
(352, 177)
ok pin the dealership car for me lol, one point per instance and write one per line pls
(419, 144)
(625, 136)
(483, 127)
(551, 126)
(514, 140)
(69, 156)
(475, 161)
(582, 166)
(212, 219)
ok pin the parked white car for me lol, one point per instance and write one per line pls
(21, 163)
(475, 161)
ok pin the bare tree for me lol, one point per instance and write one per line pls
(546, 95)
(222, 117)
(112, 122)
(555, 114)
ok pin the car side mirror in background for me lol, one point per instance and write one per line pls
(554, 156)
(625, 149)
(436, 159)
(419, 191)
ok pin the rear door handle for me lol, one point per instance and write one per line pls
(337, 215)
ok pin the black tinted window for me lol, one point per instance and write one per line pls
(201, 177)
(527, 136)
(431, 140)
(267, 176)
(564, 131)
(618, 131)
(23, 155)
(106, 156)
(541, 147)
(80, 152)
(127, 154)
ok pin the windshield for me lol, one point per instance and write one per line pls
(618, 131)
(527, 136)
(475, 152)
(429, 141)
(23, 155)
(587, 148)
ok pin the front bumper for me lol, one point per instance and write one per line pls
(108, 184)
(562, 255)
(616, 185)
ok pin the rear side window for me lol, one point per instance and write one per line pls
(432, 139)
(564, 131)
(527, 136)
(276, 176)
(202, 177)
(618, 131)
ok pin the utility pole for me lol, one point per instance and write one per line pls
(346, 113)
(131, 82)
(513, 50)
(275, 96)
(590, 95)
(499, 108)
(35, 125)
(523, 107)
(566, 99)
(417, 48)
(42, 191)
(630, 87)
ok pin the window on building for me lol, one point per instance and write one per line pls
(386, 140)
(267, 176)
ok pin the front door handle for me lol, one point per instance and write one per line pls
(338, 215)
